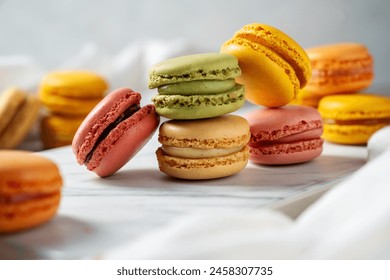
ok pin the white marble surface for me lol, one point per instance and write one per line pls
(100, 214)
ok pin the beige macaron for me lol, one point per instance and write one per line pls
(203, 149)
(18, 112)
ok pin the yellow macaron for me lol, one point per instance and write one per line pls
(72, 92)
(274, 67)
(59, 130)
(353, 118)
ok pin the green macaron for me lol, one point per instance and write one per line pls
(197, 86)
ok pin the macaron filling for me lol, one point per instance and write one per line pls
(384, 121)
(125, 115)
(198, 87)
(194, 153)
(23, 197)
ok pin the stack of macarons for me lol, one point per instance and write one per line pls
(68, 96)
(339, 68)
(18, 113)
(340, 72)
(201, 140)
(274, 69)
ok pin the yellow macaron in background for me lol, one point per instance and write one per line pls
(274, 67)
(72, 92)
(18, 112)
(353, 118)
(68, 97)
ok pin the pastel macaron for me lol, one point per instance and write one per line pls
(353, 118)
(114, 131)
(30, 190)
(197, 86)
(203, 149)
(285, 135)
(72, 92)
(340, 68)
(274, 66)
(18, 112)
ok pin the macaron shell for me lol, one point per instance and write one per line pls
(76, 84)
(20, 216)
(281, 44)
(272, 124)
(199, 106)
(208, 66)
(224, 132)
(69, 106)
(350, 134)
(268, 79)
(202, 169)
(340, 68)
(355, 106)
(288, 153)
(124, 141)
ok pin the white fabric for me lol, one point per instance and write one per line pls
(351, 221)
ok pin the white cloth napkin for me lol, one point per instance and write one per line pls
(351, 221)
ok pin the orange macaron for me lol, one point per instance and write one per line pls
(30, 190)
(340, 68)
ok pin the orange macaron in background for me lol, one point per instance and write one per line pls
(338, 68)
(30, 190)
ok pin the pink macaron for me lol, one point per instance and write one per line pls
(285, 135)
(114, 131)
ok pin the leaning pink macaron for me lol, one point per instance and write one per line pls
(114, 131)
(285, 135)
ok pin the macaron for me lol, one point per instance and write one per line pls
(274, 67)
(30, 190)
(72, 92)
(59, 130)
(285, 135)
(114, 131)
(197, 86)
(340, 68)
(203, 149)
(18, 113)
(306, 98)
(353, 118)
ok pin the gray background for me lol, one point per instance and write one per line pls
(52, 31)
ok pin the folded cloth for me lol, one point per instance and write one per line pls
(351, 221)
